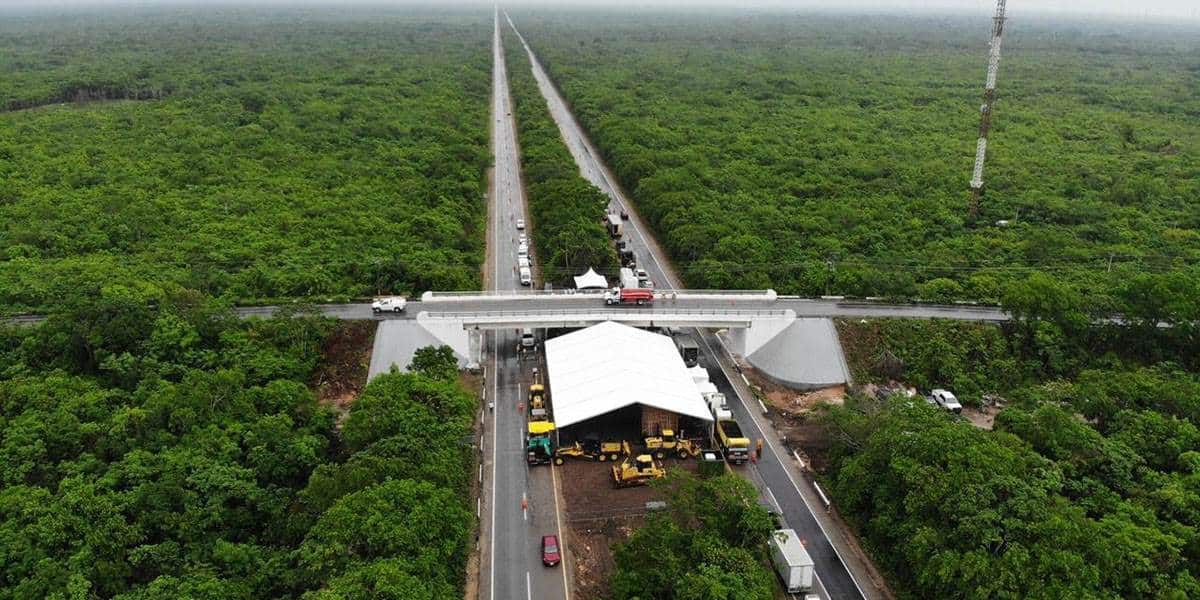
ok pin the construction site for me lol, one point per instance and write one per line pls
(613, 408)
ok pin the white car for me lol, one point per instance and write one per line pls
(389, 304)
(523, 250)
(946, 400)
(523, 262)
(526, 276)
(520, 223)
(522, 239)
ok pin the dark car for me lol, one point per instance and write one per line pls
(624, 215)
(550, 555)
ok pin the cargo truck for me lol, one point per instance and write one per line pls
(629, 279)
(689, 350)
(733, 443)
(636, 296)
(791, 560)
(615, 227)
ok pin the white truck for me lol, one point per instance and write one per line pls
(629, 280)
(791, 560)
(389, 304)
(615, 227)
(944, 399)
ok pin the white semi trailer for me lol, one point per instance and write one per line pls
(791, 560)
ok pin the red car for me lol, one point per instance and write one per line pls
(550, 556)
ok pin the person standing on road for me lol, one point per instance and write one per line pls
(758, 449)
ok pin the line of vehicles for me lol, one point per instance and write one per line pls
(636, 287)
(524, 263)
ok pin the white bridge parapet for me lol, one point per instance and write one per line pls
(504, 319)
(660, 294)
(461, 330)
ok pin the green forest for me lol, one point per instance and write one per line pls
(154, 446)
(566, 209)
(820, 154)
(1087, 487)
(254, 155)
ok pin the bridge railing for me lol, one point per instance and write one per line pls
(541, 294)
(631, 313)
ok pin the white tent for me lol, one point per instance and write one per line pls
(591, 281)
(609, 366)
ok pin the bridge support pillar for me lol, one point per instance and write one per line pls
(474, 348)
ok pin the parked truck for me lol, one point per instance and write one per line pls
(628, 278)
(944, 399)
(791, 560)
(689, 350)
(734, 444)
(615, 227)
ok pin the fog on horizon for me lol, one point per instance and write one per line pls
(1144, 10)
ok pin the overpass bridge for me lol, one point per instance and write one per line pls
(801, 352)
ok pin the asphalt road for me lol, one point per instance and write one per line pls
(521, 506)
(777, 484)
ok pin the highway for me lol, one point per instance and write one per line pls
(774, 471)
(518, 505)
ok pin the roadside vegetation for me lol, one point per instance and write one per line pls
(820, 154)
(155, 446)
(254, 155)
(566, 210)
(1089, 484)
(709, 542)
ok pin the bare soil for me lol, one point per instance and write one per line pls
(793, 414)
(341, 372)
(597, 516)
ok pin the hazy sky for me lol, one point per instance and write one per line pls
(1140, 9)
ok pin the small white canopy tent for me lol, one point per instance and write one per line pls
(591, 281)
(609, 366)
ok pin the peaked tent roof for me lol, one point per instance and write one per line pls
(590, 280)
(609, 366)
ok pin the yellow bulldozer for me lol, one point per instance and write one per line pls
(592, 450)
(662, 445)
(640, 471)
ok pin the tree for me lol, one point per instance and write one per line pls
(437, 362)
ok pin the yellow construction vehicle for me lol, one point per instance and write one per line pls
(537, 401)
(537, 443)
(592, 450)
(638, 472)
(667, 443)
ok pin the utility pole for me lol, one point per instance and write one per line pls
(989, 99)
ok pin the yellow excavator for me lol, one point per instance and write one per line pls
(662, 445)
(592, 450)
(638, 472)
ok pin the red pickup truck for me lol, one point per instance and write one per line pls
(638, 296)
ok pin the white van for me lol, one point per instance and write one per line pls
(526, 276)
(523, 250)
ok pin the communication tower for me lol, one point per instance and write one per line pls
(989, 98)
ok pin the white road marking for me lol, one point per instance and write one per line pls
(528, 588)
(773, 500)
(562, 540)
